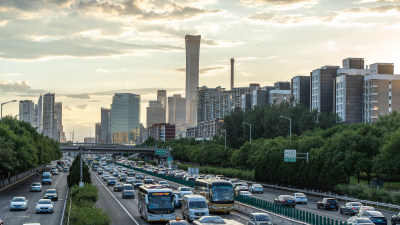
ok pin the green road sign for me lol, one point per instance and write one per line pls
(160, 152)
(289, 155)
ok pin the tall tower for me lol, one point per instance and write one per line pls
(232, 72)
(49, 120)
(58, 115)
(192, 44)
(40, 114)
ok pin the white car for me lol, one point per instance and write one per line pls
(300, 198)
(19, 203)
(245, 193)
(164, 183)
(256, 188)
(355, 220)
(44, 205)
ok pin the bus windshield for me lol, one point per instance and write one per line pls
(161, 202)
(222, 193)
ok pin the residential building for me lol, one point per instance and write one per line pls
(279, 96)
(322, 89)
(261, 96)
(97, 132)
(246, 101)
(282, 85)
(212, 103)
(125, 118)
(192, 44)
(161, 132)
(155, 113)
(206, 130)
(26, 111)
(105, 134)
(49, 118)
(237, 93)
(300, 90)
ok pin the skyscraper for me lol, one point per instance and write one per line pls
(125, 118)
(155, 113)
(97, 133)
(212, 103)
(26, 111)
(192, 44)
(49, 121)
(58, 118)
(40, 114)
(162, 97)
(105, 136)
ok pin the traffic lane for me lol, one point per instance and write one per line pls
(23, 189)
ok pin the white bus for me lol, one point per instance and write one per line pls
(156, 203)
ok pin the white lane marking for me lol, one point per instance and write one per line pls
(133, 219)
(65, 203)
(245, 218)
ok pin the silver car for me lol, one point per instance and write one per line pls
(356, 220)
(19, 203)
(44, 206)
(36, 186)
(259, 219)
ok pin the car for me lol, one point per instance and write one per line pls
(177, 221)
(148, 180)
(190, 179)
(194, 207)
(245, 193)
(36, 186)
(364, 208)
(44, 206)
(54, 171)
(396, 219)
(19, 203)
(128, 191)
(46, 178)
(164, 183)
(208, 220)
(51, 194)
(131, 173)
(240, 188)
(129, 180)
(111, 181)
(105, 176)
(259, 218)
(300, 198)
(285, 200)
(65, 169)
(100, 171)
(355, 220)
(256, 188)
(139, 176)
(350, 208)
(328, 203)
(137, 183)
(122, 177)
(375, 216)
(118, 186)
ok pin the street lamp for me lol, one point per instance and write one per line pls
(290, 123)
(224, 130)
(2, 108)
(250, 129)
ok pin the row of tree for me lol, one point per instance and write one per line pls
(336, 152)
(23, 148)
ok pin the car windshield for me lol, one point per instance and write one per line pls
(263, 217)
(289, 198)
(37, 184)
(185, 189)
(161, 202)
(198, 205)
(356, 204)
(18, 200)
(331, 200)
(363, 220)
(118, 185)
(128, 187)
(44, 201)
(300, 195)
(163, 182)
(138, 182)
(112, 178)
(222, 193)
(51, 191)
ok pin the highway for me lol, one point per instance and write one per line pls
(22, 188)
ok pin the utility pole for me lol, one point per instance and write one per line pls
(250, 129)
(81, 171)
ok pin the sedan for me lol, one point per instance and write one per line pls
(328, 203)
(36, 186)
(350, 208)
(355, 220)
(138, 183)
(18, 203)
(178, 221)
(148, 180)
(375, 216)
(130, 180)
(111, 181)
(256, 188)
(164, 183)
(259, 218)
(51, 194)
(396, 219)
(128, 191)
(44, 206)
(245, 193)
(118, 186)
(300, 198)
(286, 200)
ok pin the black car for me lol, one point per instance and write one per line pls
(51, 194)
(285, 200)
(328, 203)
(396, 219)
(350, 208)
(118, 186)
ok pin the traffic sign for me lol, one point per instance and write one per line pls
(289, 155)
(160, 152)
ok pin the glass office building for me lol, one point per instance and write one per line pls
(125, 118)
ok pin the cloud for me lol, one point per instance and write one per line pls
(18, 86)
(80, 96)
(67, 108)
(84, 106)
(139, 91)
(213, 68)
(279, 2)
(375, 1)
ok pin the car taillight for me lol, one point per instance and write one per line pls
(327, 203)
(354, 208)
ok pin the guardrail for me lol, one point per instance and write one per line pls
(19, 176)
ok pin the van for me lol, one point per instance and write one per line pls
(46, 178)
(194, 207)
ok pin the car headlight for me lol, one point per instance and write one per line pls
(50, 207)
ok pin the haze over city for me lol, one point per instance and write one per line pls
(85, 51)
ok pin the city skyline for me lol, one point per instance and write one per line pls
(142, 51)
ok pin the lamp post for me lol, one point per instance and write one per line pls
(224, 130)
(2, 108)
(290, 125)
(250, 129)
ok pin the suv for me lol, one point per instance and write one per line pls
(46, 178)
(128, 191)
(328, 203)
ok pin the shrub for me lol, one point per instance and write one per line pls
(227, 172)
(88, 215)
(73, 177)
(86, 194)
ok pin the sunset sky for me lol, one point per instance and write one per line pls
(86, 50)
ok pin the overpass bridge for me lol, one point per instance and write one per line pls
(98, 148)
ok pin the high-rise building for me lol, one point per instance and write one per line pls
(155, 113)
(162, 97)
(322, 89)
(161, 132)
(277, 96)
(40, 114)
(105, 136)
(125, 118)
(97, 132)
(192, 44)
(237, 93)
(26, 111)
(261, 96)
(58, 118)
(282, 85)
(212, 103)
(246, 101)
(300, 90)
(49, 117)
(381, 92)
(177, 112)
